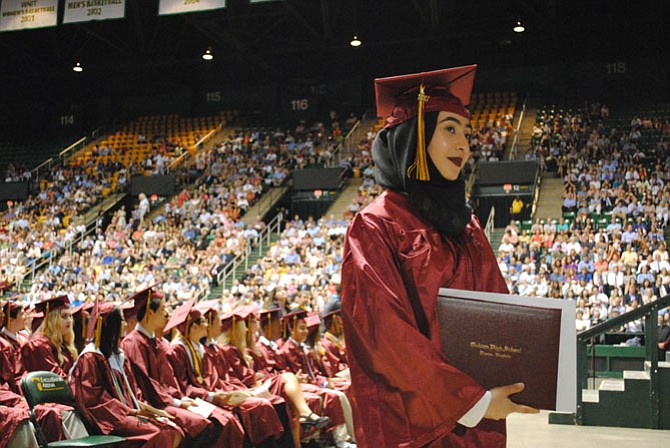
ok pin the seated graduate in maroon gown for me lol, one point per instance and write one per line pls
(51, 348)
(156, 379)
(198, 378)
(332, 347)
(11, 341)
(299, 359)
(14, 415)
(416, 237)
(104, 388)
(14, 420)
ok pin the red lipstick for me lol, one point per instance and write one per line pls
(458, 161)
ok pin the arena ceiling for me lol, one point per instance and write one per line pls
(310, 38)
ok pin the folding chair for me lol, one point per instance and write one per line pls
(47, 387)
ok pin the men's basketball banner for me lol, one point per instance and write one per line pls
(182, 6)
(26, 14)
(87, 10)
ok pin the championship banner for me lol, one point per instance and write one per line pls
(27, 14)
(87, 10)
(166, 7)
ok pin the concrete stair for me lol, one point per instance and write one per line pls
(496, 238)
(526, 131)
(341, 204)
(359, 134)
(627, 402)
(550, 202)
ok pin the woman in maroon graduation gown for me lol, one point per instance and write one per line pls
(332, 346)
(106, 393)
(51, 347)
(416, 237)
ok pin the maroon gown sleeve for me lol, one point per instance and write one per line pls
(181, 365)
(8, 374)
(11, 415)
(215, 359)
(390, 358)
(40, 354)
(93, 393)
(238, 367)
(145, 362)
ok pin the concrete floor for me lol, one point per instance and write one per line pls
(526, 430)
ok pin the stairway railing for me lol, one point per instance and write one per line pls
(649, 312)
(515, 142)
(490, 222)
(262, 243)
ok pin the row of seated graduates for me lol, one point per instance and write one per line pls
(228, 381)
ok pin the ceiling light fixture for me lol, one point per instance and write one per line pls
(519, 28)
(355, 41)
(207, 55)
(77, 68)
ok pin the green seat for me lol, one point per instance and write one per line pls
(47, 387)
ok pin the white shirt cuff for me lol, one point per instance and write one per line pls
(210, 397)
(476, 413)
(176, 403)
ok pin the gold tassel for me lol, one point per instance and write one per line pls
(233, 333)
(210, 325)
(146, 312)
(46, 318)
(84, 326)
(98, 331)
(420, 166)
(270, 326)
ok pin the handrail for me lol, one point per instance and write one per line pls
(345, 142)
(271, 197)
(490, 223)
(47, 163)
(618, 321)
(179, 160)
(91, 227)
(515, 142)
(231, 268)
(650, 313)
(69, 148)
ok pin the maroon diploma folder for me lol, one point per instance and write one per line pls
(499, 344)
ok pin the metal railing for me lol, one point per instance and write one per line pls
(346, 146)
(193, 149)
(515, 142)
(261, 243)
(490, 223)
(649, 312)
(37, 264)
(67, 152)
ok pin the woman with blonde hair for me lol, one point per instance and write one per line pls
(51, 347)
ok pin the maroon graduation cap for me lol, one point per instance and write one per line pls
(401, 98)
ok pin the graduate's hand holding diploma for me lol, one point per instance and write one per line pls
(501, 405)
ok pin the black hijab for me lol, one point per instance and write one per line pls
(439, 201)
